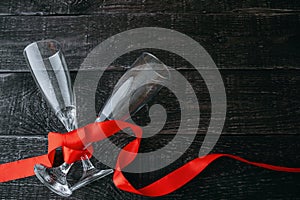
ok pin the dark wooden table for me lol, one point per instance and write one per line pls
(255, 44)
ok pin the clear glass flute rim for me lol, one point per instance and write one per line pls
(57, 51)
(160, 62)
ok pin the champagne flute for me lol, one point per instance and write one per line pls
(49, 69)
(135, 88)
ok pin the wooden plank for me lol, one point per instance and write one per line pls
(39, 7)
(258, 101)
(235, 40)
(225, 178)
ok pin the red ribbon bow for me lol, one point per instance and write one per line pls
(73, 144)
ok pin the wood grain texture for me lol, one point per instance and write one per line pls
(255, 44)
(245, 40)
(258, 102)
(225, 178)
(75, 7)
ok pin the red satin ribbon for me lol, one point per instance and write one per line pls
(73, 144)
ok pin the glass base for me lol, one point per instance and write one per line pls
(91, 175)
(54, 179)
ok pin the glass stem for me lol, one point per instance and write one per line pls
(65, 167)
(86, 163)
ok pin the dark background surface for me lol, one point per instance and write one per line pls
(255, 44)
